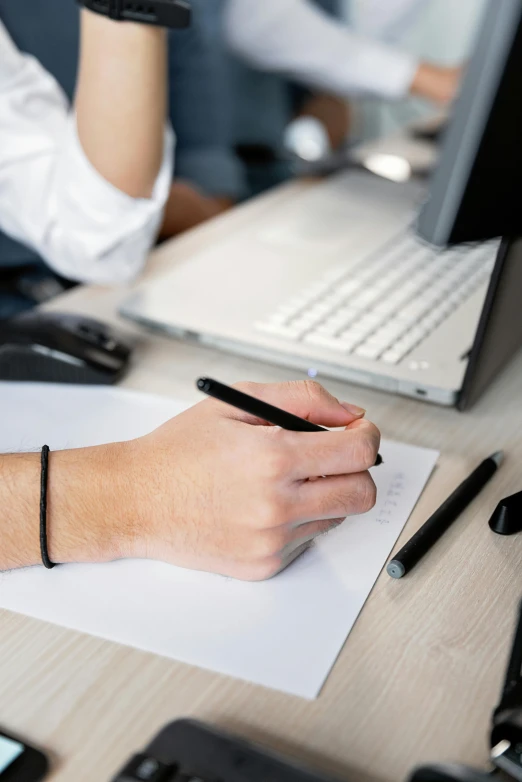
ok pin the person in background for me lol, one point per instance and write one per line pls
(299, 57)
(307, 41)
(84, 189)
(70, 220)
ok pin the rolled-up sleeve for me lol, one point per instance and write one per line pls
(52, 198)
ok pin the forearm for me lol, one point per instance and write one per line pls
(121, 101)
(19, 500)
(88, 521)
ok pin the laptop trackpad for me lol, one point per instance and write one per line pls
(334, 213)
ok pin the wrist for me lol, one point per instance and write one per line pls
(90, 518)
(422, 85)
(112, 32)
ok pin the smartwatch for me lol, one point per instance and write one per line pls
(175, 14)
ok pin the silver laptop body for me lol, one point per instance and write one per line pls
(335, 284)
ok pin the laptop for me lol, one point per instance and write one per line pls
(342, 282)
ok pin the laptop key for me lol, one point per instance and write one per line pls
(386, 304)
(327, 329)
(369, 351)
(392, 357)
(322, 341)
(350, 341)
(284, 332)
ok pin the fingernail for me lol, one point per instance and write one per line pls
(358, 412)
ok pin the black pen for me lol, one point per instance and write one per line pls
(269, 413)
(444, 517)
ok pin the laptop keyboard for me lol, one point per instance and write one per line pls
(388, 304)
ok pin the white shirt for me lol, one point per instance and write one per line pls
(299, 39)
(386, 20)
(51, 197)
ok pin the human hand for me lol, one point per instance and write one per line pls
(187, 207)
(218, 490)
(437, 83)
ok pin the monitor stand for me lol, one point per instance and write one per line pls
(499, 334)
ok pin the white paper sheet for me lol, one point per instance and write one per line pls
(285, 633)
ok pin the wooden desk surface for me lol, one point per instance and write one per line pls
(422, 669)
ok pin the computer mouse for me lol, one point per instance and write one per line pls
(61, 348)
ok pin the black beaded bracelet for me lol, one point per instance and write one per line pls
(43, 508)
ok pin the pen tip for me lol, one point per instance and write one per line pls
(498, 457)
(379, 461)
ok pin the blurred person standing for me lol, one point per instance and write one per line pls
(40, 150)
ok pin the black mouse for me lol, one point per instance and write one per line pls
(60, 348)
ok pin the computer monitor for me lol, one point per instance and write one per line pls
(476, 191)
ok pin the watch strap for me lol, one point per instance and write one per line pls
(175, 14)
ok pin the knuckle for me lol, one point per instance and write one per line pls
(277, 459)
(368, 446)
(342, 499)
(264, 570)
(269, 545)
(358, 497)
(313, 389)
(367, 494)
(271, 513)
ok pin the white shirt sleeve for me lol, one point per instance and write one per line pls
(297, 38)
(387, 20)
(51, 197)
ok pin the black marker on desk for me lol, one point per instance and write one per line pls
(269, 413)
(442, 519)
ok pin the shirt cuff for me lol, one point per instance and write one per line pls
(100, 234)
(214, 171)
(105, 202)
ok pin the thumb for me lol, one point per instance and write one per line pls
(306, 399)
